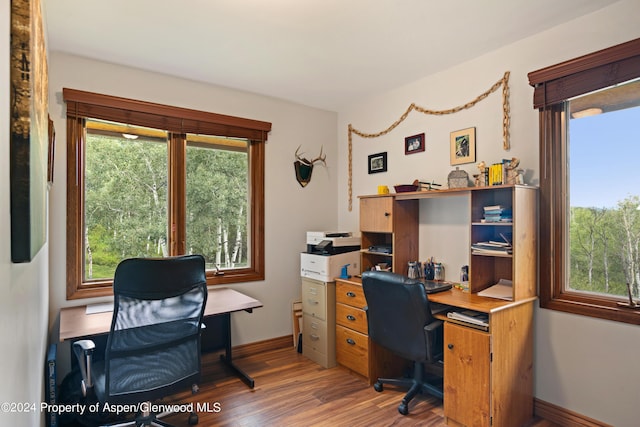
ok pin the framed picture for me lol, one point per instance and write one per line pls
(378, 162)
(463, 146)
(414, 144)
(28, 135)
(51, 152)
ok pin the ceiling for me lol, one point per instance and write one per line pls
(320, 53)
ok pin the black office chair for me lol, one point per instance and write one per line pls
(400, 320)
(153, 347)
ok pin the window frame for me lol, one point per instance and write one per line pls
(178, 121)
(554, 85)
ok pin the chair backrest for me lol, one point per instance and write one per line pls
(397, 312)
(153, 348)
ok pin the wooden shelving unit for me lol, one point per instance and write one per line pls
(483, 370)
(386, 221)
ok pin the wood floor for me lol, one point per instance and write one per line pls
(291, 390)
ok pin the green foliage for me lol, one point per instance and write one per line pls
(126, 202)
(217, 199)
(604, 247)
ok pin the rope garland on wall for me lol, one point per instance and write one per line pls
(504, 82)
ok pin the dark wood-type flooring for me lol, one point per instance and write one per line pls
(291, 390)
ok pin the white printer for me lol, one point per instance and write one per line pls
(327, 252)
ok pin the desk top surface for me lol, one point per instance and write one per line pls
(457, 298)
(76, 323)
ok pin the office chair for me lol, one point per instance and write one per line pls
(400, 320)
(153, 347)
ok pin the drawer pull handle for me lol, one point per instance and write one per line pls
(450, 346)
(351, 294)
(312, 301)
(387, 214)
(315, 337)
(351, 317)
(350, 341)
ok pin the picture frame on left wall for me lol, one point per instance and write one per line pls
(377, 162)
(29, 127)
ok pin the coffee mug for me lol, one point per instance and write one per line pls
(383, 189)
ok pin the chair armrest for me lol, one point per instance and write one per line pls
(83, 350)
(433, 335)
(433, 326)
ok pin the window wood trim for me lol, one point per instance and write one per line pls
(587, 73)
(82, 105)
(571, 78)
(159, 116)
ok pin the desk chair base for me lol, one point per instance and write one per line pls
(150, 419)
(416, 385)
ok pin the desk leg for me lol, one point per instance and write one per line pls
(227, 357)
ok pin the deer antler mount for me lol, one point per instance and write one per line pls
(304, 167)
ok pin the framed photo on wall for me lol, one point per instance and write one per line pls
(414, 144)
(377, 162)
(463, 146)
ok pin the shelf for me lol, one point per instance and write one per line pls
(364, 251)
(493, 255)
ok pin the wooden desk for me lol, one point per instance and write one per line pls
(75, 323)
(488, 375)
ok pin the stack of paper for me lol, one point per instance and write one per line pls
(493, 247)
(470, 316)
(501, 290)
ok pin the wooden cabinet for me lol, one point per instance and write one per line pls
(352, 339)
(488, 376)
(466, 375)
(354, 349)
(318, 320)
(389, 223)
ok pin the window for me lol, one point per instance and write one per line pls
(589, 193)
(148, 180)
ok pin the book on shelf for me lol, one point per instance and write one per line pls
(506, 237)
(496, 213)
(490, 252)
(502, 220)
(470, 316)
(491, 248)
(496, 243)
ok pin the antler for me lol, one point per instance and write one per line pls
(320, 158)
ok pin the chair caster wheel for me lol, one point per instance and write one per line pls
(193, 419)
(377, 386)
(403, 409)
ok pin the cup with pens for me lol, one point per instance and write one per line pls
(429, 269)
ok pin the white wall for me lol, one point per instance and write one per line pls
(25, 291)
(290, 210)
(586, 365)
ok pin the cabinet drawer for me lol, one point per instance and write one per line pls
(314, 333)
(352, 350)
(314, 298)
(376, 214)
(350, 294)
(352, 318)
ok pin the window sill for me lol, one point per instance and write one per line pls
(598, 307)
(104, 288)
